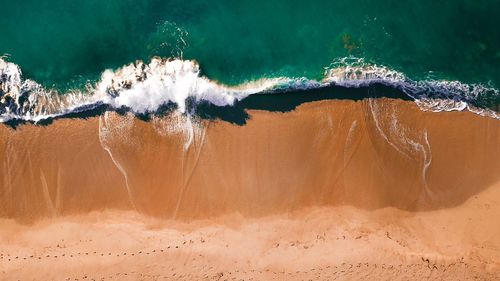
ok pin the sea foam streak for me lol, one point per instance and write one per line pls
(430, 95)
(144, 88)
(140, 87)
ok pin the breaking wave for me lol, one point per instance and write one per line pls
(144, 88)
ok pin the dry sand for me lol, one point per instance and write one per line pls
(345, 190)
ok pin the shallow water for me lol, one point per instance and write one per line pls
(64, 42)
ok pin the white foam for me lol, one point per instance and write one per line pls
(140, 87)
(429, 95)
(356, 72)
(377, 118)
(144, 88)
(105, 130)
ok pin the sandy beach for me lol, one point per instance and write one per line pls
(341, 243)
(334, 190)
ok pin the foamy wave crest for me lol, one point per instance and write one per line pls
(430, 95)
(145, 87)
(356, 72)
(140, 87)
(25, 99)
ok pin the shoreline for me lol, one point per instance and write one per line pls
(281, 197)
(175, 167)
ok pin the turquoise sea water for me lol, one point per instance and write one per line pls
(63, 44)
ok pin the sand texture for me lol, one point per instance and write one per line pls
(334, 190)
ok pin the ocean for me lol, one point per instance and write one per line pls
(249, 140)
(439, 50)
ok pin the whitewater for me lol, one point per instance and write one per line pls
(144, 88)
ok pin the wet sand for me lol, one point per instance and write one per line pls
(371, 189)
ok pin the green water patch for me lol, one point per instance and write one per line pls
(66, 43)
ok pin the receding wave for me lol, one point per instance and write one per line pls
(144, 88)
